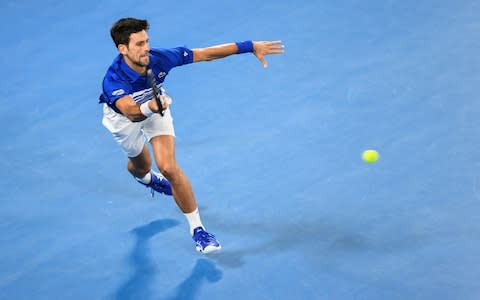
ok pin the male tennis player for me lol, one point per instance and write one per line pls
(133, 116)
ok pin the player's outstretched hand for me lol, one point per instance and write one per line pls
(263, 48)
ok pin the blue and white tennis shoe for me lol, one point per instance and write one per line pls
(205, 242)
(159, 184)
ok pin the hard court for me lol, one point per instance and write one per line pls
(273, 154)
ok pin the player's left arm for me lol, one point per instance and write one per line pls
(259, 48)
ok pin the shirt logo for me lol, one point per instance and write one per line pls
(118, 92)
(185, 53)
(161, 74)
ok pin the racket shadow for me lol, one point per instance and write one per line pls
(138, 286)
(203, 271)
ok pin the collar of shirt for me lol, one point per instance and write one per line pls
(134, 76)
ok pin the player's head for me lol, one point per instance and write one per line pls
(131, 38)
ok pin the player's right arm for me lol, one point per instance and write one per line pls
(117, 94)
(132, 111)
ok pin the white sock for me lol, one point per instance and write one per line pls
(194, 221)
(146, 179)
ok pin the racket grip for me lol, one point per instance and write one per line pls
(159, 104)
(155, 91)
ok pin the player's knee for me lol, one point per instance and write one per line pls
(170, 170)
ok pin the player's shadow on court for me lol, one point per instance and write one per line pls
(138, 286)
(204, 271)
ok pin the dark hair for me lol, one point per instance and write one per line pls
(123, 28)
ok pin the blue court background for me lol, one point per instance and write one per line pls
(273, 155)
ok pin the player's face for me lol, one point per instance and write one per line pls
(138, 49)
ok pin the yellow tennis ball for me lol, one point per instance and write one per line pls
(370, 156)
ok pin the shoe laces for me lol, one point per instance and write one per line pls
(204, 236)
(156, 181)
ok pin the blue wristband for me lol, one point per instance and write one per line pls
(244, 47)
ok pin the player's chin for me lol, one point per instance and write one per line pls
(145, 60)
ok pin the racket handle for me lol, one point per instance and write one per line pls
(156, 94)
(160, 105)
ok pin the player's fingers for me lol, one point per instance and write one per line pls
(275, 51)
(270, 42)
(274, 43)
(275, 47)
(279, 46)
(263, 61)
(165, 106)
(166, 99)
(153, 105)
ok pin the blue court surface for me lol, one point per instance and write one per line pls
(273, 154)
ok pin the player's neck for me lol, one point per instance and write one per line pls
(142, 70)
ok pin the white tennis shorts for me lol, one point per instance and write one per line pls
(132, 136)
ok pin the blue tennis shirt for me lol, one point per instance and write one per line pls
(121, 80)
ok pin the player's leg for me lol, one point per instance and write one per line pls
(164, 153)
(140, 165)
(130, 137)
(160, 132)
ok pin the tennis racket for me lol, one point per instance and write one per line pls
(156, 93)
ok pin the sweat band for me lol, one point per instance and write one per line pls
(244, 47)
(145, 109)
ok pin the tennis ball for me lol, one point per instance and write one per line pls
(370, 156)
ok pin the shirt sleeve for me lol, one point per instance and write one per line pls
(171, 58)
(114, 89)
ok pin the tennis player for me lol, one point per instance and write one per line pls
(133, 118)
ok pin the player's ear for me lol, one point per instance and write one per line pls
(122, 48)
